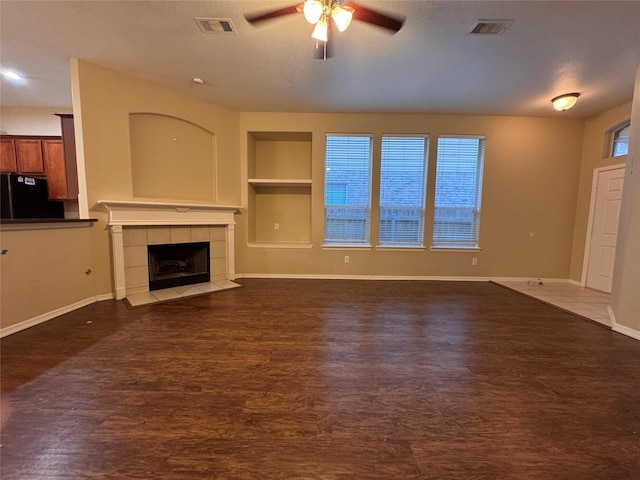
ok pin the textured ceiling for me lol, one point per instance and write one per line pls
(431, 66)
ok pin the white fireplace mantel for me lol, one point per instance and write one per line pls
(124, 213)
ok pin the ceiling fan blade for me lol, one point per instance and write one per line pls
(280, 12)
(367, 15)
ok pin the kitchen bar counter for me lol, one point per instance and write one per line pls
(7, 224)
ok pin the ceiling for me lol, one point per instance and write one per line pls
(433, 65)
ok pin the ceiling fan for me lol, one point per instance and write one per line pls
(327, 14)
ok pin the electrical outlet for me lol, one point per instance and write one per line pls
(474, 261)
(276, 226)
(346, 259)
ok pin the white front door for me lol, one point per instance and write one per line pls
(604, 230)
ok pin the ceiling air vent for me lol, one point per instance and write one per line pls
(490, 27)
(215, 25)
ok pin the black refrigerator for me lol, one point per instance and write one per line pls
(27, 197)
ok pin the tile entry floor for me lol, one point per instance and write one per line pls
(163, 295)
(587, 303)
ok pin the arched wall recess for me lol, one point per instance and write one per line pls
(172, 159)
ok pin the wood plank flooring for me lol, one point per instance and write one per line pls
(315, 379)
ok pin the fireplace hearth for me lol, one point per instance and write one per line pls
(177, 264)
(135, 224)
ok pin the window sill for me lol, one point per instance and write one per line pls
(333, 246)
(455, 249)
(401, 248)
(279, 245)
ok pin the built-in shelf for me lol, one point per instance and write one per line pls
(280, 182)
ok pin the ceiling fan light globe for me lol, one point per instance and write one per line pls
(312, 11)
(320, 32)
(342, 16)
(565, 102)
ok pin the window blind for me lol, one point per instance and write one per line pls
(459, 170)
(347, 215)
(402, 190)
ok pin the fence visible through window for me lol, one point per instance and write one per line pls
(459, 171)
(347, 212)
(402, 190)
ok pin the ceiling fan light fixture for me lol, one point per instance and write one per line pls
(320, 32)
(313, 11)
(565, 102)
(342, 16)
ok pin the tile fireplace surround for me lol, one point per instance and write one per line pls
(135, 225)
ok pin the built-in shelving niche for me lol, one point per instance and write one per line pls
(279, 183)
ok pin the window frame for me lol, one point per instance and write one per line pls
(419, 244)
(477, 210)
(345, 243)
(611, 145)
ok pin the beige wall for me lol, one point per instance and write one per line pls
(537, 177)
(43, 271)
(531, 176)
(107, 98)
(625, 300)
(594, 155)
(170, 156)
(30, 121)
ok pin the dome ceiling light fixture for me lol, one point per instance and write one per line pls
(324, 14)
(565, 102)
(12, 75)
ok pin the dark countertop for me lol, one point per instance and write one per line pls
(8, 224)
(22, 221)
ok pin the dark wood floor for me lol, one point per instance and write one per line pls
(305, 379)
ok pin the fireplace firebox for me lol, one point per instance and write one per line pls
(176, 264)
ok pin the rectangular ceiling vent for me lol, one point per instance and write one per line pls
(490, 27)
(215, 25)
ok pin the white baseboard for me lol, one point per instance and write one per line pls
(104, 296)
(612, 316)
(52, 314)
(532, 280)
(303, 276)
(616, 327)
(630, 332)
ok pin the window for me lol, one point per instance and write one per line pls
(620, 140)
(458, 193)
(402, 190)
(347, 211)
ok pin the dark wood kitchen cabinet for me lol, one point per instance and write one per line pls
(61, 179)
(50, 157)
(22, 154)
(64, 174)
(54, 167)
(8, 155)
(29, 156)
